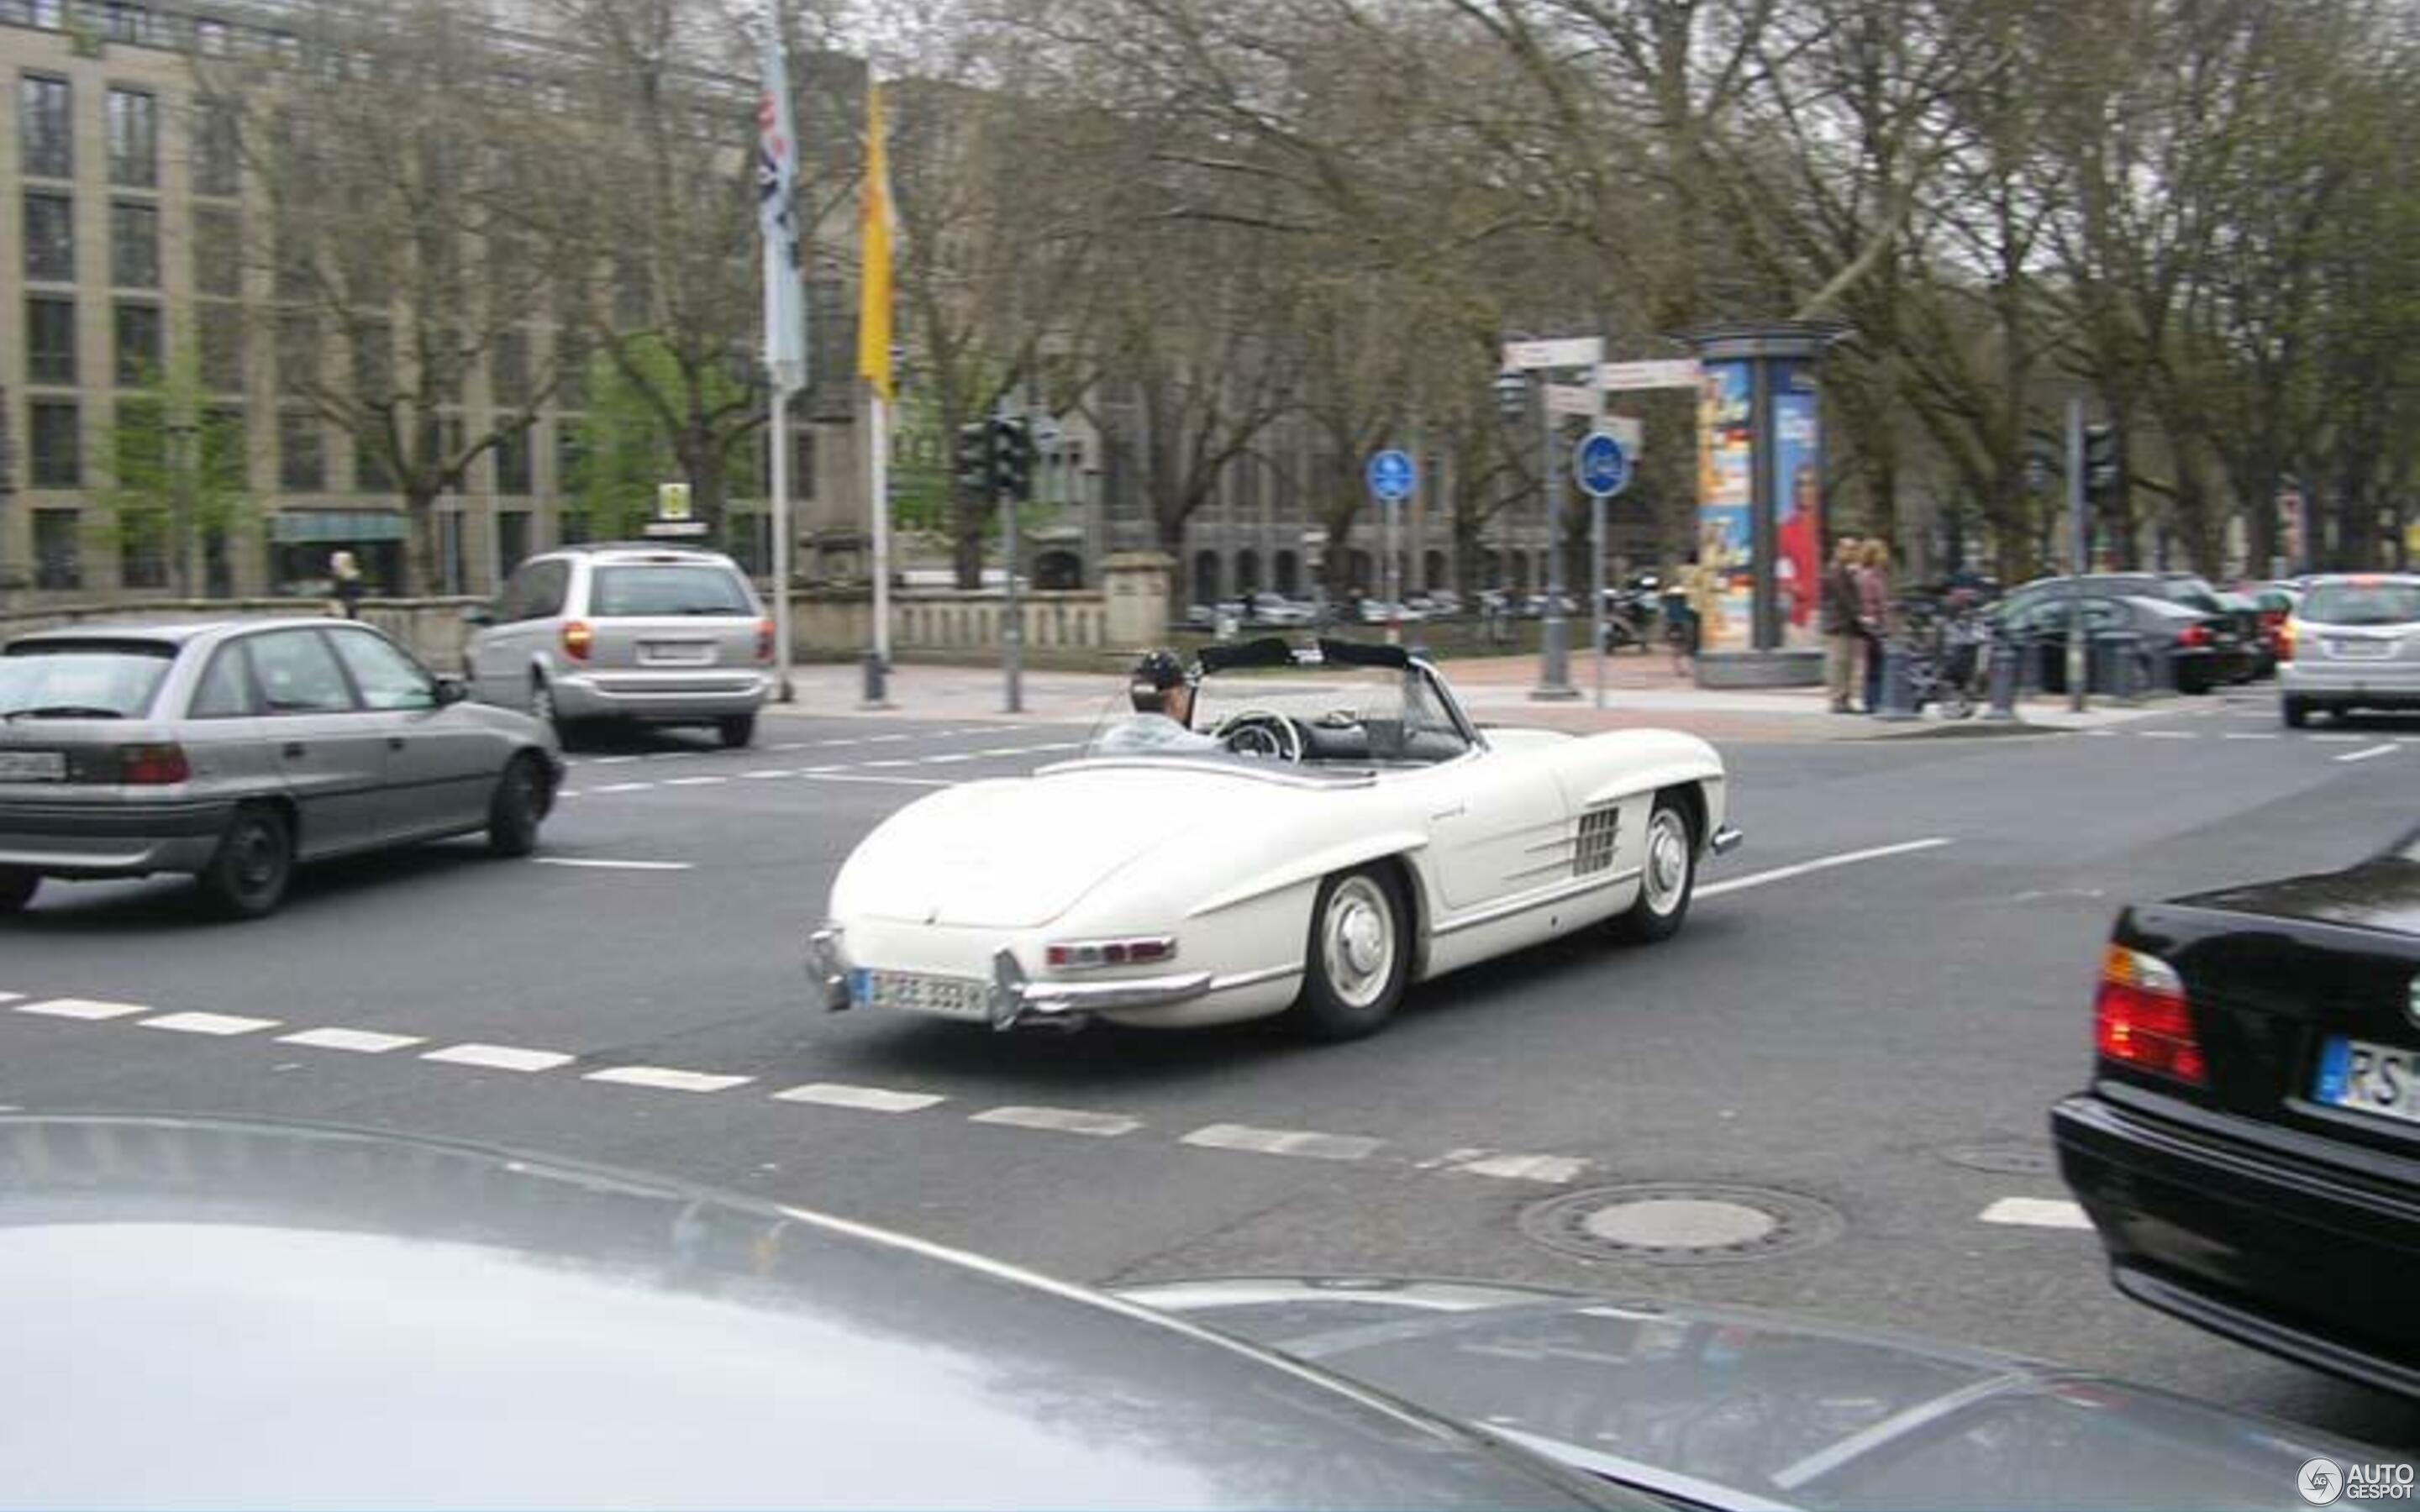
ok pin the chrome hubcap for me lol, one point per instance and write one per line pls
(1667, 861)
(256, 858)
(1358, 942)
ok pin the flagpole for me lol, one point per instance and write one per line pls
(783, 691)
(785, 336)
(874, 364)
(877, 471)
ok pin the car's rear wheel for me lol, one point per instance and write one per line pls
(517, 806)
(1668, 877)
(2297, 713)
(17, 888)
(736, 730)
(249, 874)
(1358, 957)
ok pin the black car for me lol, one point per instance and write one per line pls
(2239, 656)
(2249, 1147)
(2173, 646)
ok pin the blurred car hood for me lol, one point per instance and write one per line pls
(1732, 1408)
(247, 1315)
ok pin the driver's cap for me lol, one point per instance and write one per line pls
(1159, 672)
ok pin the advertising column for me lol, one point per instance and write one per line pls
(1799, 501)
(1723, 588)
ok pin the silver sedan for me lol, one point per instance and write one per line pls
(233, 750)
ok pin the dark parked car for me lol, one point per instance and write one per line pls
(2241, 664)
(2249, 1147)
(2199, 651)
(233, 749)
(331, 1318)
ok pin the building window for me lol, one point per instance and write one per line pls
(226, 447)
(210, 39)
(50, 341)
(133, 139)
(568, 452)
(512, 538)
(509, 375)
(218, 249)
(124, 22)
(298, 351)
(57, 453)
(142, 547)
(513, 461)
(58, 562)
(50, 238)
(373, 364)
(45, 126)
(220, 327)
(570, 366)
(371, 473)
(217, 164)
(302, 452)
(134, 245)
(139, 363)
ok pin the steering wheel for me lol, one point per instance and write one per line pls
(1260, 732)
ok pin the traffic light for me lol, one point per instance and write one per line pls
(974, 457)
(1011, 459)
(2100, 460)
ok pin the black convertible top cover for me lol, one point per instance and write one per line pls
(1363, 653)
(1268, 651)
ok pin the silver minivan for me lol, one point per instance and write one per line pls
(2353, 643)
(627, 631)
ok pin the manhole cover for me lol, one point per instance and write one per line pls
(1677, 1222)
(2009, 1157)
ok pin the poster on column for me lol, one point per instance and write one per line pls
(1724, 581)
(1797, 499)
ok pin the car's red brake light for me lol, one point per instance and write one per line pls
(764, 640)
(2285, 640)
(2193, 636)
(1083, 955)
(2143, 1020)
(578, 640)
(153, 765)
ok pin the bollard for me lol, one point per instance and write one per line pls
(1898, 698)
(875, 676)
(2005, 671)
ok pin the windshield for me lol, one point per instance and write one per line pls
(83, 679)
(2363, 604)
(1319, 715)
(662, 589)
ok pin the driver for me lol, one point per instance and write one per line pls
(1162, 691)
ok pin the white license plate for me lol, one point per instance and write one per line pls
(675, 654)
(2379, 1079)
(2362, 650)
(32, 766)
(954, 997)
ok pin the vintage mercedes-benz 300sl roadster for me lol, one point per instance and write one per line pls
(1323, 827)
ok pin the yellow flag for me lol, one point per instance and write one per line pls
(874, 309)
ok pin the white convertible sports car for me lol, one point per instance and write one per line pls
(1345, 832)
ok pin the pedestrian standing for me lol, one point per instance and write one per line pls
(1844, 610)
(346, 577)
(1874, 617)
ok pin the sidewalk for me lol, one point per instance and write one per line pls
(1640, 692)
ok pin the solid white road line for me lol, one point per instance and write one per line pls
(1555, 1168)
(2364, 755)
(2036, 1212)
(1281, 1142)
(210, 1024)
(615, 866)
(360, 1042)
(666, 1079)
(82, 1008)
(865, 1099)
(902, 781)
(1061, 1120)
(499, 1057)
(1823, 863)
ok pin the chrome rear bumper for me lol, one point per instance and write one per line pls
(1015, 999)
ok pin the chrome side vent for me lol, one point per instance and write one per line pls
(1594, 852)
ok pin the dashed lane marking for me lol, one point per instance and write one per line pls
(2036, 1212)
(695, 781)
(2169, 734)
(611, 760)
(10, 997)
(2364, 755)
(664, 1078)
(1302, 1142)
(865, 1099)
(894, 763)
(594, 865)
(623, 787)
(359, 1041)
(220, 1024)
(82, 1008)
(763, 774)
(1822, 863)
(2239, 736)
(1556, 1169)
(887, 740)
(903, 782)
(1061, 1120)
(2342, 740)
(499, 1057)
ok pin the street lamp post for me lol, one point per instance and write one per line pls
(1513, 387)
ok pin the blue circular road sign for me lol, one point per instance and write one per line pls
(1393, 474)
(1602, 465)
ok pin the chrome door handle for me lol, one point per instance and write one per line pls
(295, 749)
(395, 742)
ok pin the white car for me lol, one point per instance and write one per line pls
(1343, 831)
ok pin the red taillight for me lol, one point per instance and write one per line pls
(2193, 636)
(2272, 618)
(153, 765)
(764, 641)
(2285, 640)
(578, 640)
(2141, 1018)
(1080, 955)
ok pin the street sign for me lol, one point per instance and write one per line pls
(1574, 399)
(1577, 351)
(1392, 475)
(1601, 464)
(665, 530)
(1677, 373)
(672, 501)
(1631, 432)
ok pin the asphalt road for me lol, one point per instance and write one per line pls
(1881, 1036)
